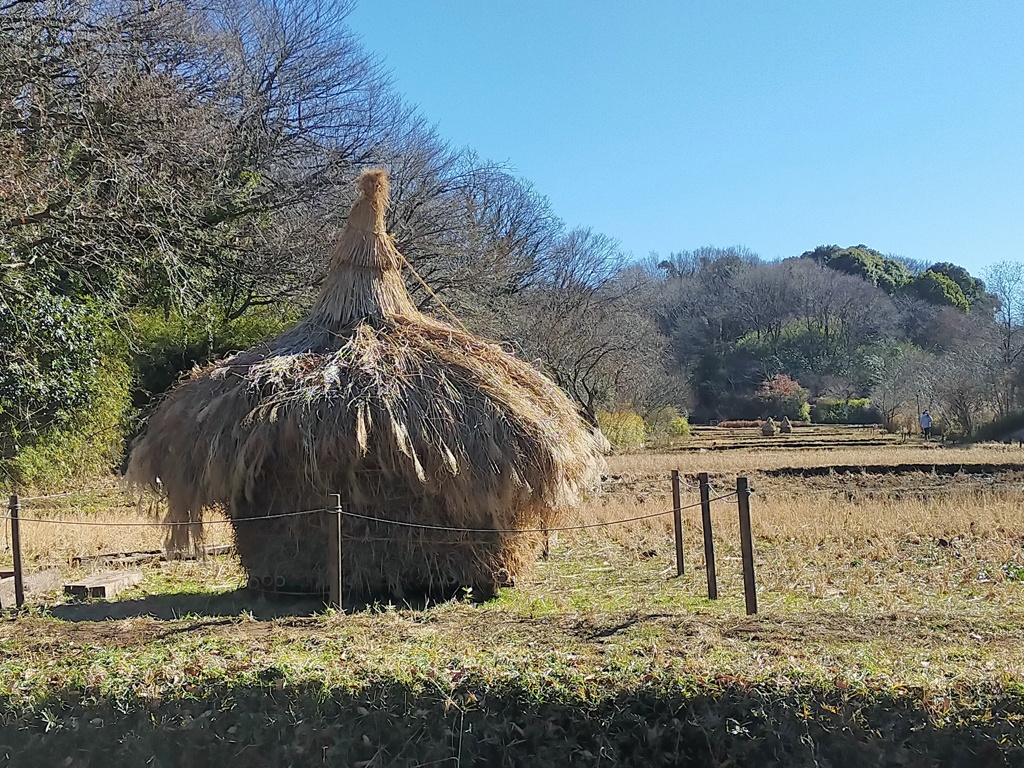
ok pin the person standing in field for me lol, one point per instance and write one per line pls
(926, 425)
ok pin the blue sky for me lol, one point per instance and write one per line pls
(774, 125)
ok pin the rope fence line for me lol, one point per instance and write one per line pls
(336, 534)
(161, 525)
(370, 518)
(80, 491)
(463, 535)
(689, 486)
(553, 529)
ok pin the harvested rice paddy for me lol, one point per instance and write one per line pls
(890, 632)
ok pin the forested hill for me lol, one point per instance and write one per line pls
(836, 325)
(173, 173)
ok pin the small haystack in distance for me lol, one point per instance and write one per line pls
(786, 426)
(406, 417)
(768, 428)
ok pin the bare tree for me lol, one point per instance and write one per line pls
(585, 320)
(152, 146)
(902, 381)
(962, 385)
(1005, 281)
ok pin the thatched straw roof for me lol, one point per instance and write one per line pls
(405, 416)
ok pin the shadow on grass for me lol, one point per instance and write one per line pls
(173, 606)
(394, 725)
(263, 606)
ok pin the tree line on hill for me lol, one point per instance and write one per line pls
(172, 174)
(846, 325)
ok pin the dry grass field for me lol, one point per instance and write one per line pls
(890, 632)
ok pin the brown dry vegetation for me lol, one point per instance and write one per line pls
(53, 544)
(874, 541)
(406, 417)
(877, 541)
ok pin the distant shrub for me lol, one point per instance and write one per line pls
(64, 390)
(837, 411)
(1001, 428)
(782, 396)
(667, 424)
(658, 419)
(679, 427)
(50, 350)
(89, 443)
(625, 429)
(169, 345)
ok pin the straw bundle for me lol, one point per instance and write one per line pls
(406, 417)
(768, 429)
(786, 427)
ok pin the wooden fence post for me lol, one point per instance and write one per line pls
(709, 541)
(336, 567)
(19, 576)
(677, 514)
(746, 545)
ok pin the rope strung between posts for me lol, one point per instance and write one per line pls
(979, 485)
(162, 525)
(57, 495)
(381, 520)
(527, 530)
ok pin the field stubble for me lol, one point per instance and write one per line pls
(890, 606)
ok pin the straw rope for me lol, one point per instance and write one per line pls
(431, 293)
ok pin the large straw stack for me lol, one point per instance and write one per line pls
(406, 417)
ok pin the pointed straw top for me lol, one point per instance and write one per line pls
(365, 280)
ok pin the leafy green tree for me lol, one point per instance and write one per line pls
(972, 288)
(49, 361)
(938, 288)
(888, 274)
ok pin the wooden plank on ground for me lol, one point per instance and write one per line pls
(35, 582)
(218, 549)
(119, 558)
(106, 584)
(150, 556)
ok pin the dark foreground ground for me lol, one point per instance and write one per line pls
(592, 664)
